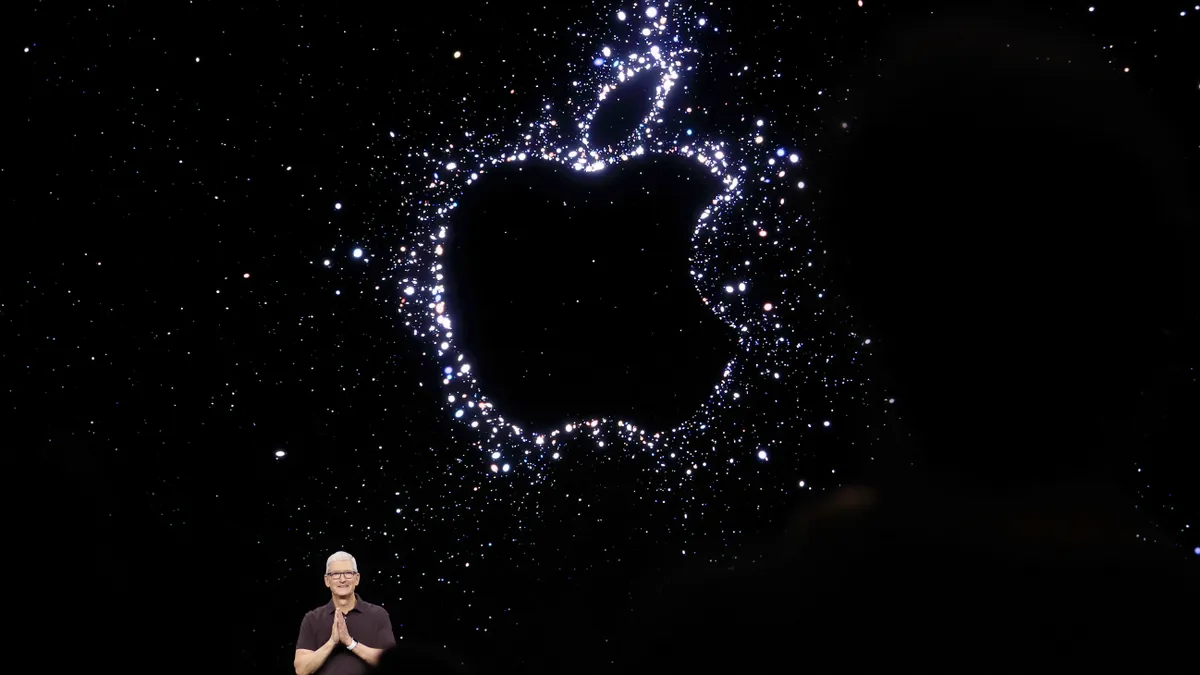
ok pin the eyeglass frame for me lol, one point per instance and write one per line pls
(340, 575)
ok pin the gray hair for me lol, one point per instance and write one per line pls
(339, 556)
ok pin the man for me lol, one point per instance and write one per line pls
(344, 618)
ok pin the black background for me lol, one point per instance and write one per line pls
(155, 518)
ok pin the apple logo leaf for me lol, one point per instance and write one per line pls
(621, 114)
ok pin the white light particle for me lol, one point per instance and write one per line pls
(451, 166)
(768, 307)
(729, 289)
(1127, 70)
(358, 253)
(280, 453)
(800, 185)
(554, 456)
(794, 158)
(703, 21)
(758, 139)
(620, 16)
(457, 54)
(742, 287)
(606, 52)
(495, 469)
(288, 169)
(327, 263)
(762, 454)
(197, 59)
(504, 468)
(337, 206)
(801, 483)
(651, 12)
(495, 455)
(409, 290)
(27, 50)
(646, 32)
(826, 423)
(1091, 9)
(246, 275)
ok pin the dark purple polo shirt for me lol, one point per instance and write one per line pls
(367, 623)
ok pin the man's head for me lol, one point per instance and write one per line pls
(341, 574)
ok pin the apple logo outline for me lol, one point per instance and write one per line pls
(662, 50)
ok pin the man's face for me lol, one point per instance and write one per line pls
(341, 578)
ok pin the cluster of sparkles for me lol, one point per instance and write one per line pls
(655, 42)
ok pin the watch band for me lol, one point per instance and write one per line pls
(352, 645)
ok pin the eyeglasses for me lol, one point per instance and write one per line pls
(340, 575)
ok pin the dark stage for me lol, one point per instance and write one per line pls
(607, 337)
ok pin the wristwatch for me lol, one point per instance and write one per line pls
(352, 645)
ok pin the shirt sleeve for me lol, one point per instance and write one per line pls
(384, 638)
(307, 640)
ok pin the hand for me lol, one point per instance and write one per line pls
(339, 626)
(335, 637)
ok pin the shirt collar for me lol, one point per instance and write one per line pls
(358, 602)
